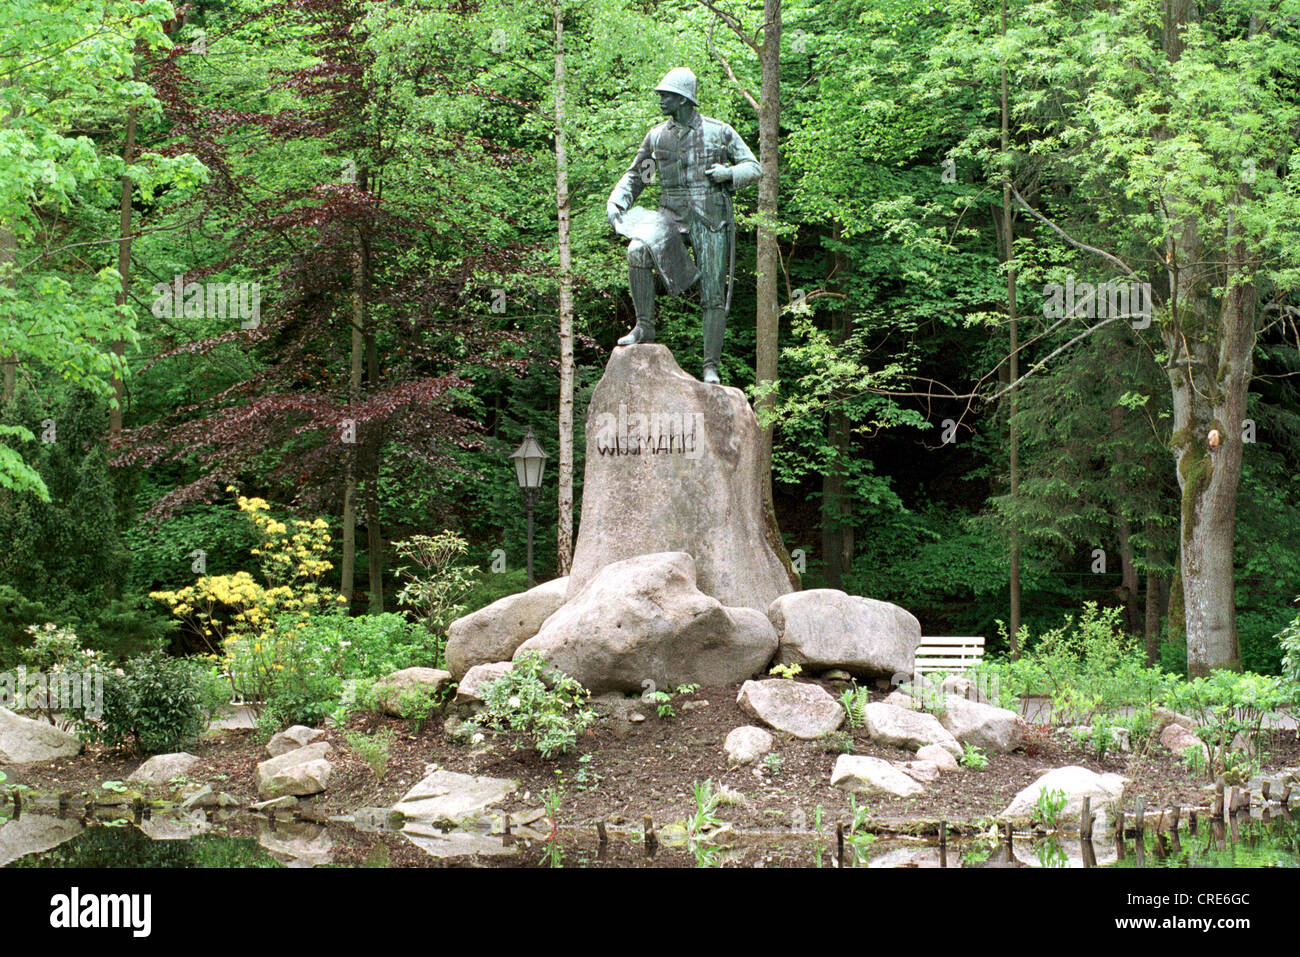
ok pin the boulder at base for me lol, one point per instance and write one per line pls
(993, 729)
(673, 466)
(866, 775)
(23, 740)
(1076, 783)
(301, 772)
(394, 694)
(159, 770)
(826, 628)
(493, 633)
(905, 728)
(643, 619)
(804, 710)
(467, 692)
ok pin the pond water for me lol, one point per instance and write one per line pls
(242, 840)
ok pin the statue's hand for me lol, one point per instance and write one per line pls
(718, 173)
(612, 213)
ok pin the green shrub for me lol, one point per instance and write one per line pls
(154, 703)
(1289, 641)
(311, 672)
(374, 749)
(1090, 668)
(537, 705)
(1225, 704)
(435, 582)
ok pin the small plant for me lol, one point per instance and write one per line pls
(663, 699)
(837, 742)
(857, 837)
(268, 723)
(586, 778)
(1048, 808)
(117, 787)
(553, 854)
(854, 701)
(417, 704)
(372, 749)
(773, 764)
(1103, 735)
(1195, 759)
(786, 671)
(973, 758)
(706, 806)
(538, 705)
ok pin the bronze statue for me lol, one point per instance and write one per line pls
(700, 163)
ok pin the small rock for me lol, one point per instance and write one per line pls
(202, 797)
(867, 775)
(282, 803)
(467, 692)
(1076, 783)
(301, 772)
(924, 772)
(746, 744)
(939, 756)
(636, 717)
(388, 691)
(693, 705)
(836, 674)
(290, 739)
(1178, 738)
(996, 730)
(161, 768)
(377, 819)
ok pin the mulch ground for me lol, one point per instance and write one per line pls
(635, 769)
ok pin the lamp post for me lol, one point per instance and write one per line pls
(530, 460)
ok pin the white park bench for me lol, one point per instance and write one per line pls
(952, 655)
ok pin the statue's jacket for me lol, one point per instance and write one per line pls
(679, 155)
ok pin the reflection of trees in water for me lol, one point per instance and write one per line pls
(127, 847)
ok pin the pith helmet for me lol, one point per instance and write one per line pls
(679, 80)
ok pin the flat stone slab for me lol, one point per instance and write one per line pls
(456, 843)
(453, 798)
(291, 739)
(804, 710)
(33, 833)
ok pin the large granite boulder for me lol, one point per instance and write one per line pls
(644, 619)
(825, 628)
(795, 707)
(998, 730)
(494, 632)
(861, 774)
(23, 740)
(1075, 783)
(673, 466)
(904, 728)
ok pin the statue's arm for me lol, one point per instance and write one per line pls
(634, 180)
(744, 168)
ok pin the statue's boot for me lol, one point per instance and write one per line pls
(641, 281)
(715, 326)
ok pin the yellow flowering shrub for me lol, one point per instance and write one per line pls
(250, 626)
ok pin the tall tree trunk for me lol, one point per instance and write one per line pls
(123, 266)
(1209, 369)
(564, 523)
(372, 446)
(8, 263)
(1151, 623)
(836, 534)
(347, 571)
(1013, 372)
(769, 254)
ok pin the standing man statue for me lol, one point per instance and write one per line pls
(700, 162)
